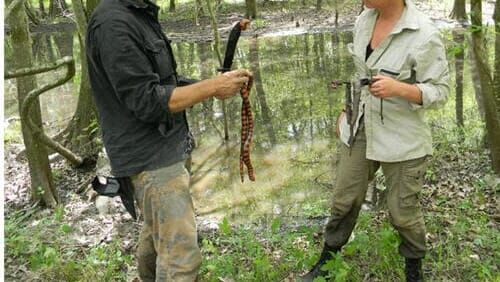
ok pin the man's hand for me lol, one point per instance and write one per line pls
(230, 83)
(222, 86)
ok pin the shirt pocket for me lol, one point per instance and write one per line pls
(404, 74)
(160, 57)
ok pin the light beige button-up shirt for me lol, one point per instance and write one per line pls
(413, 53)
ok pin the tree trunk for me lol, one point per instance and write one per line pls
(42, 186)
(458, 11)
(458, 38)
(64, 43)
(198, 11)
(82, 129)
(336, 8)
(251, 9)
(318, 4)
(50, 49)
(481, 59)
(42, 8)
(38, 48)
(90, 7)
(30, 12)
(54, 8)
(476, 83)
(205, 72)
(496, 80)
(259, 89)
(171, 8)
(213, 21)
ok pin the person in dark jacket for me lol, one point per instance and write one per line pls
(141, 103)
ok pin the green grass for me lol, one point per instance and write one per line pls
(464, 251)
(12, 133)
(45, 247)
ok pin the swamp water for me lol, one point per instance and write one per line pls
(294, 149)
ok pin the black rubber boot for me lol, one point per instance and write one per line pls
(316, 271)
(413, 270)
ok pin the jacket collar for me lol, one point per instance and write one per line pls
(408, 20)
(140, 4)
(143, 5)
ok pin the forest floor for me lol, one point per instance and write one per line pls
(84, 240)
(88, 240)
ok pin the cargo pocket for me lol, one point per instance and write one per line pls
(412, 181)
(160, 57)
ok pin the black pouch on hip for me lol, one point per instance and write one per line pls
(117, 186)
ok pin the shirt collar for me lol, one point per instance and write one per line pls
(140, 4)
(408, 20)
(144, 5)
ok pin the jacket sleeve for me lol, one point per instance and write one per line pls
(431, 73)
(184, 81)
(131, 73)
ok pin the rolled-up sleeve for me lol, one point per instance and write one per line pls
(431, 73)
(131, 73)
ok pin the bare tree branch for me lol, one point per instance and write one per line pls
(11, 7)
(33, 95)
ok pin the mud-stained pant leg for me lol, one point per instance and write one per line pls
(404, 182)
(174, 226)
(145, 252)
(354, 172)
(168, 248)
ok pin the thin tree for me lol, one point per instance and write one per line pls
(251, 9)
(213, 21)
(486, 82)
(171, 8)
(206, 72)
(458, 13)
(259, 89)
(496, 81)
(42, 186)
(459, 38)
(42, 8)
(318, 4)
(198, 11)
(56, 8)
(81, 131)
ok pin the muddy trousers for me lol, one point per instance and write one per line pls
(404, 182)
(167, 249)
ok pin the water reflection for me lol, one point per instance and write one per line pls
(57, 105)
(294, 120)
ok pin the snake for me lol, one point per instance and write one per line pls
(247, 125)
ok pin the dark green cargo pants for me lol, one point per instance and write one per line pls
(167, 249)
(404, 182)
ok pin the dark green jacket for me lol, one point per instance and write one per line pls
(132, 74)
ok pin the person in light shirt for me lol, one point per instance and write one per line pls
(402, 53)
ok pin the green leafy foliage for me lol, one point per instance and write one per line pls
(50, 256)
